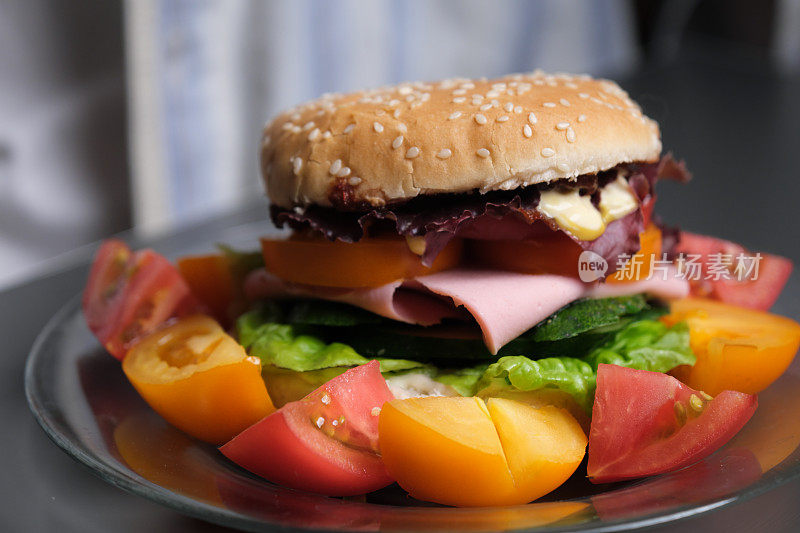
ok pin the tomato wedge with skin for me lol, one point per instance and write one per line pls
(758, 293)
(199, 379)
(647, 423)
(367, 263)
(737, 348)
(130, 294)
(325, 443)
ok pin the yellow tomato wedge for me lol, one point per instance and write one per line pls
(544, 397)
(367, 263)
(641, 264)
(199, 379)
(513, 453)
(737, 349)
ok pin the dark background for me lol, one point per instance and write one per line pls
(723, 106)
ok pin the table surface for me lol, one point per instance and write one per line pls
(738, 128)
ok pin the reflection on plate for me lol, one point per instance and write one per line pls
(83, 401)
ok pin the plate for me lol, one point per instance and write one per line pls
(81, 398)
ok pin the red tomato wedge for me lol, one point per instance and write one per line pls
(130, 294)
(325, 443)
(647, 423)
(757, 293)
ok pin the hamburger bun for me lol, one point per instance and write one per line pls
(390, 144)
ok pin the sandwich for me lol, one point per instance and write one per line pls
(464, 214)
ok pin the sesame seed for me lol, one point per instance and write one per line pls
(455, 115)
(527, 131)
(378, 127)
(308, 125)
(459, 92)
(468, 85)
(397, 142)
(297, 164)
(355, 180)
(314, 134)
(402, 127)
(493, 94)
(349, 128)
(570, 135)
(562, 126)
(412, 152)
(486, 107)
(327, 134)
(335, 166)
(480, 119)
(394, 102)
(444, 153)
(503, 118)
(581, 118)
(343, 173)
(548, 152)
(477, 97)
(483, 152)
(396, 113)
(563, 167)
(532, 118)
(518, 109)
(583, 95)
(549, 104)
(459, 100)
(509, 107)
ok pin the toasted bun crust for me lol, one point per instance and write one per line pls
(394, 143)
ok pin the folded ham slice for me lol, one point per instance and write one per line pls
(504, 304)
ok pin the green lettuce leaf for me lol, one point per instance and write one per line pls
(463, 380)
(295, 348)
(645, 345)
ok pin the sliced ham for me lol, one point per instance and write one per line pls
(504, 304)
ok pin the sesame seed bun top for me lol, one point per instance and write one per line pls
(390, 144)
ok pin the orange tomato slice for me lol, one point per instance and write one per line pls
(737, 349)
(552, 253)
(642, 262)
(209, 277)
(513, 453)
(199, 379)
(367, 263)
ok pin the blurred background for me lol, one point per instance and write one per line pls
(146, 114)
